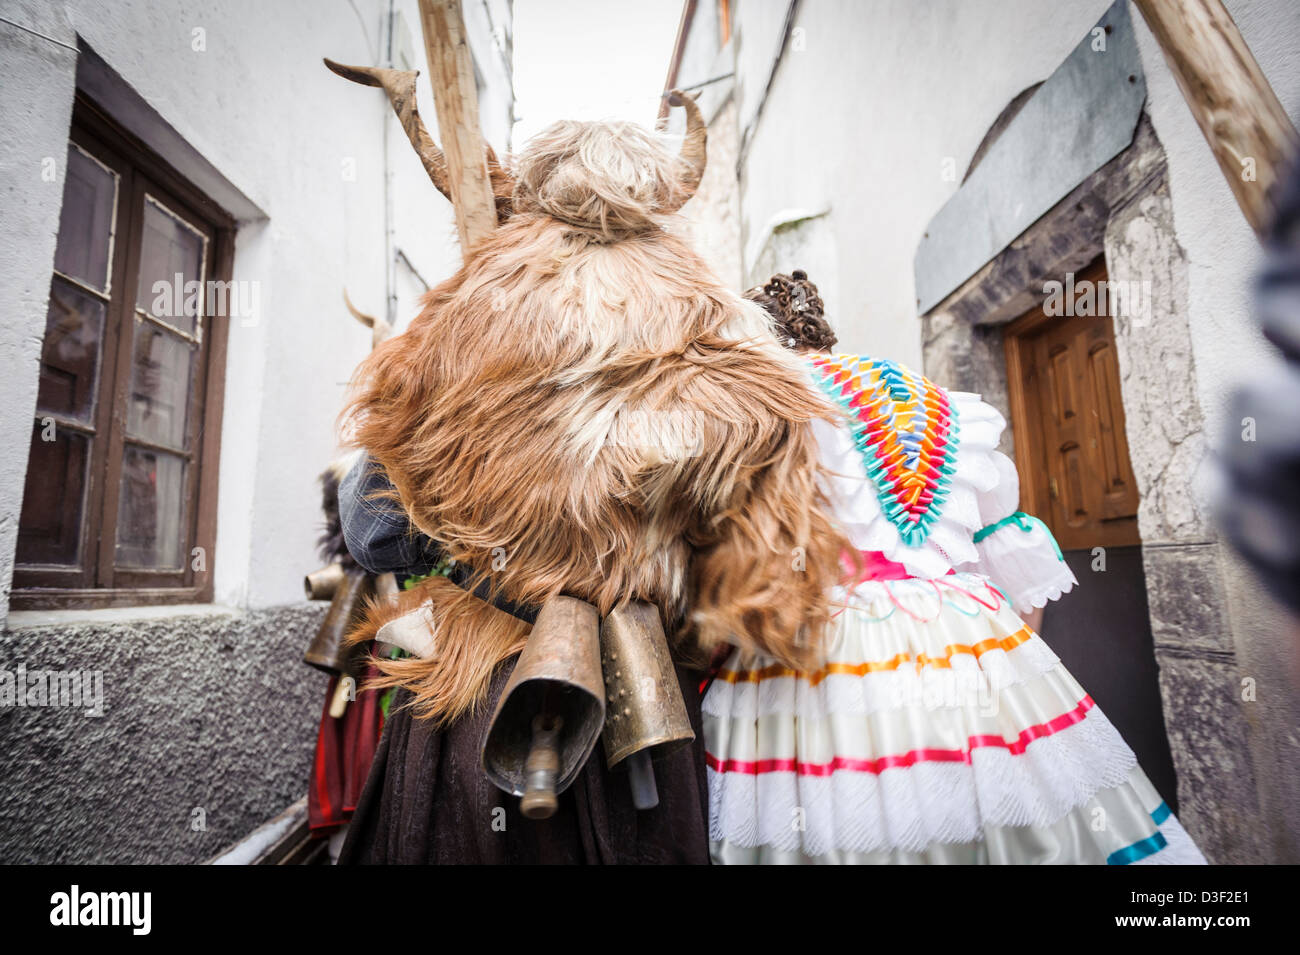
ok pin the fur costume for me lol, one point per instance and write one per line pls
(584, 409)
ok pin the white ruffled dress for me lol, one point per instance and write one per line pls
(939, 728)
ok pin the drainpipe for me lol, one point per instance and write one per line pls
(390, 240)
(747, 134)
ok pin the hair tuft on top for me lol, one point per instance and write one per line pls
(608, 178)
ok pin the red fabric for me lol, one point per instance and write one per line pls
(345, 748)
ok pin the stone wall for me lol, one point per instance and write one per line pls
(204, 708)
(1207, 621)
(1186, 596)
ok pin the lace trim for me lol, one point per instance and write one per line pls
(911, 808)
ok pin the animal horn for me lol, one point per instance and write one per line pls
(380, 330)
(503, 185)
(694, 154)
(399, 85)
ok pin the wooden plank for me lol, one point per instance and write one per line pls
(451, 71)
(1250, 134)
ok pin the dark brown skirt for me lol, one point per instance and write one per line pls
(427, 801)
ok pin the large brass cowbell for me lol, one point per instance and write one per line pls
(645, 711)
(329, 650)
(554, 706)
(550, 713)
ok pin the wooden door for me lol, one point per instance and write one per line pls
(1068, 418)
(1072, 454)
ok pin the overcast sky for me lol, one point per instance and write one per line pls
(590, 59)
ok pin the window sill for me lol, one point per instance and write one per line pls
(31, 619)
(74, 598)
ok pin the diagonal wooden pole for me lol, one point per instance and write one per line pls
(1247, 129)
(455, 94)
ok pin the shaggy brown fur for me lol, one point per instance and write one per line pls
(603, 419)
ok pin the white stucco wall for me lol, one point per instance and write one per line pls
(35, 109)
(258, 104)
(873, 97)
(713, 213)
(866, 105)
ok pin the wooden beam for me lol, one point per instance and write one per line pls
(451, 71)
(679, 48)
(1250, 134)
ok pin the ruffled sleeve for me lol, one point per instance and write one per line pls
(1016, 551)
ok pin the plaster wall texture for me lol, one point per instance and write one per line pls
(866, 106)
(208, 709)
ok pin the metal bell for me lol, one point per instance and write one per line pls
(645, 708)
(321, 584)
(327, 650)
(551, 712)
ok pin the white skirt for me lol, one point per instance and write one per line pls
(939, 729)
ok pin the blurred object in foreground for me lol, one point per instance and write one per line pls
(1259, 505)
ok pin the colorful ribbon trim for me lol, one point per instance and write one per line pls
(815, 677)
(1144, 847)
(1138, 850)
(905, 429)
(1025, 522)
(926, 755)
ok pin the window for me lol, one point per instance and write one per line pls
(119, 501)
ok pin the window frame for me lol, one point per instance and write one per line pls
(97, 581)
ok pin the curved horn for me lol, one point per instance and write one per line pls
(380, 330)
(694, 154)
(503, 184)
(400, 87)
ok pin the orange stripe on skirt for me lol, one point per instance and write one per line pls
(777, 670)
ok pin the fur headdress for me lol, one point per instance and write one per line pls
(584, 409)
